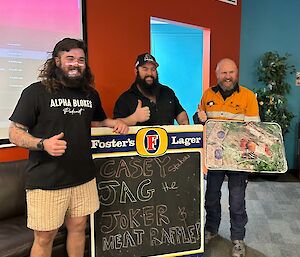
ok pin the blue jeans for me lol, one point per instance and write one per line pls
(237, 182)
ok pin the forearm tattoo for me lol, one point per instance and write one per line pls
(19, 136)
(20, 126)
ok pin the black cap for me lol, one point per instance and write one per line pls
(144, 58)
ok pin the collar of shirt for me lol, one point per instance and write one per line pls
(226, 94)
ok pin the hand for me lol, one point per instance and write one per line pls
(141, 113)
(201, 114)
(120, 127)
(55, 146)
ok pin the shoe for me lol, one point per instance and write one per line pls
(238, 249)
(208, 236)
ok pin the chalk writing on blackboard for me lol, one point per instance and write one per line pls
(147, 202)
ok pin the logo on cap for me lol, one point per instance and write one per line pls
(143, 58)
(148, 58)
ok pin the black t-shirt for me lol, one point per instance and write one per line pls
(163, 112)
(46, 114)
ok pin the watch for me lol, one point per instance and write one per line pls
(40, 145)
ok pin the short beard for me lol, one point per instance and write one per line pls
(70, 82)
(147, 88)
(224, 88)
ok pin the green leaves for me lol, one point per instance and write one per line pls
(272, 71)
(266, 164)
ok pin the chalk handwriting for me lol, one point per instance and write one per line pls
(180, 161)
(134, 168)
(182, 213)
(175, 235)
(146, 216)
(109, 191)
(124, 240)
(166, 187)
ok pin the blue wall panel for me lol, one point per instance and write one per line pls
(272, 26)
(179, 52)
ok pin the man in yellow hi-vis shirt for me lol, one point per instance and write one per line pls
(227, 101)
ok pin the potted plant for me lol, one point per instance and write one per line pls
(272, 72)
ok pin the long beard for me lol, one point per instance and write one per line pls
(70, 82)
(147, 88)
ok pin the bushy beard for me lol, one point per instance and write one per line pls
(70, 82)
(146, 87)
(225, 88)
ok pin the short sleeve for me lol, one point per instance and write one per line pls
(178, 108)
(121, 109)
(252, 110)
(203, 101)
(99, 114)
(26, 110)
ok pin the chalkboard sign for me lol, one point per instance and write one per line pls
(149, 206)
(150, 186)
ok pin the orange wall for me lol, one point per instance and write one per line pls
(119, 30)
(12, 154)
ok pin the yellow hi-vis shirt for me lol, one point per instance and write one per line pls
(240, 106)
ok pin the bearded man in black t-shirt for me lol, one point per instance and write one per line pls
(52, 119)
(147, 101)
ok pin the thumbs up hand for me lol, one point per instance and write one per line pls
(201, 114)
(55, 145)
(141, 113)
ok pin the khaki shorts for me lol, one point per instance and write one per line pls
(46, 209)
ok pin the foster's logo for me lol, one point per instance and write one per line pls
(151, 141)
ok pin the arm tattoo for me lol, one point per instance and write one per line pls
(19, 136)
(19, 126)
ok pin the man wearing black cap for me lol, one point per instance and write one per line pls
(148, 102)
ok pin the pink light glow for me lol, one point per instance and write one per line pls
(38, 14)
